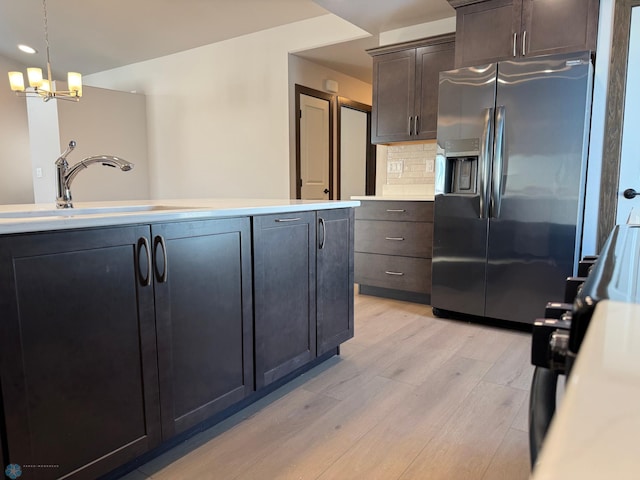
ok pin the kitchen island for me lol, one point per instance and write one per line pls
(128, 326)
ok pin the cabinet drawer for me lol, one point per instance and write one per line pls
(399, 273)
(395, 211)
(411, 239)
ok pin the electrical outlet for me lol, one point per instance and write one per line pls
(430, 166)
(395, 166)
(39, 172)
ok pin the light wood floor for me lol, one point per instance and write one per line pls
(410, 397)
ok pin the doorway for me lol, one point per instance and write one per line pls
(356, 163)
(314, 144)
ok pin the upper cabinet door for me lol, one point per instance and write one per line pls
(487, 32)
(393, 96)
(430, 61)
(553, 26)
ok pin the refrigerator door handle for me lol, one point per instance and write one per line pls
(485, 163)
(498, 164)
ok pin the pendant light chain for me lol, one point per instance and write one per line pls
(46, 40)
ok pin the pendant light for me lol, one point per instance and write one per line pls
(43, 87)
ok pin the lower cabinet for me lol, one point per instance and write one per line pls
(77, 351)
(284, 249)
(203, 318)
(334, 284)
(394, 248)
(303, 288)
(115, 339)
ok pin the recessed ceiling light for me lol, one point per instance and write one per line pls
(27, 49)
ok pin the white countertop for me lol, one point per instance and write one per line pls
(43, 217)
(595, 433)
(428, 198)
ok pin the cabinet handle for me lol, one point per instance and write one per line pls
(396, 239)
(396, 210)
(282, 220)
(145, 281)
(416, 125)
(515, 44)
(410, 123)
(397, 274)
(324, 233)
(159, 240)
(524, 43)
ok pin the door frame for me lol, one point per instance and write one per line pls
(370, 175)
(616, 95)
(302, 90)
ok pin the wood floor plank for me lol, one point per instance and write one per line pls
(312, 450)
(521, 420)
(383, 318)
(246, 442)
(415, 364)
(511, 461)
(487, 343)
(386, 450)
(466, 444)
(514, 368)
(351, 374)
(410, 396)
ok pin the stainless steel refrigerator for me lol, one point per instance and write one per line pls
(510, 184)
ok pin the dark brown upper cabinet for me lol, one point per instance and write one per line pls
(405, 88)
(494, 30)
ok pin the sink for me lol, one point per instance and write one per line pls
(74, 212)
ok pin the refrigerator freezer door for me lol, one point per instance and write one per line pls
(534, 237)
(465, 122)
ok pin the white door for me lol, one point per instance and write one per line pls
(353, 152)
(314, 148)
(630, 153)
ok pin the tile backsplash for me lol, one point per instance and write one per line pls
(407, 169)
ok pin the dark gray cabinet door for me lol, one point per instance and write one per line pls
(204, 318)
(334, 278)
(553, 26)
(487, 32)
(77, 350)
(393, 96)
(496, 30)
(284, 249)
(405, 89)
(430, 61)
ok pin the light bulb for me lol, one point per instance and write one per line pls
(16, 80)
(35, 77)
(74, 81)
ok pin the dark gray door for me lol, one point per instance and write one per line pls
(538, 192)
(466, 101)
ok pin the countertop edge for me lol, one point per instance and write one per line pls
(185, 210)
(380, 198)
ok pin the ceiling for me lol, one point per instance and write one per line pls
(95, 35)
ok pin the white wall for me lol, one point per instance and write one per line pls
(415, 32)
(102, 122)
(15, 160)
(218, 115)
(112, 123)
(312, 75)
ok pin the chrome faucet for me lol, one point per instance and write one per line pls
(66, 174)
